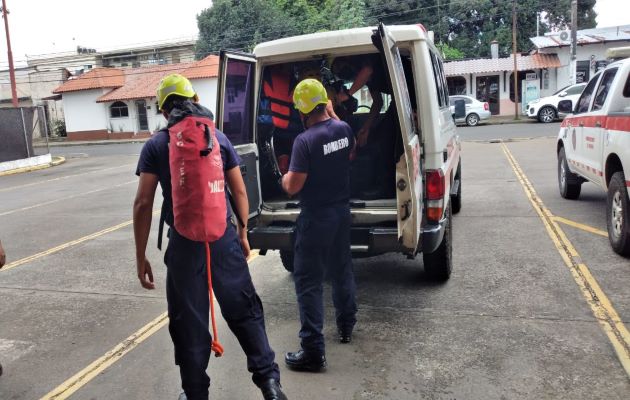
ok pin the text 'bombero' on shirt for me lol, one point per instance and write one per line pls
(323, 152)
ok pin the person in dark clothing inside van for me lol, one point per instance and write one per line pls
(381, 132)
(319, 172)
(186, 283)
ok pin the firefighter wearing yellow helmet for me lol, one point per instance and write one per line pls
(186, 289)
(319, 173)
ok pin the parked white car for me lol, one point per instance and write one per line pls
(545, 109)
(475, 110)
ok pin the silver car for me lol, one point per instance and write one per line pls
(475, 110)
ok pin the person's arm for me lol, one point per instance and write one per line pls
(142, 216)
(241, 203)
(377, 104)
(3, 256)
(293, 182)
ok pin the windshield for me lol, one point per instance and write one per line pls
(561, 90)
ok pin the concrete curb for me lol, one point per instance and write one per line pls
(89, 142)
(55, 161)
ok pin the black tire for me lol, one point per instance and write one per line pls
(472, 119)
(439, 264)
(287, 260)
(456, 200)
(569, 183)
(547, 114)
(618, 215)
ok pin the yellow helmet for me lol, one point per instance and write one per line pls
(308, 94)
(174, 84)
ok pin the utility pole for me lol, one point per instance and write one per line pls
(515, 72)
(573, 41)
(11, 69)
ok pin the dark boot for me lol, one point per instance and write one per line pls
(272, 390)
(344, 336)
(303, 361)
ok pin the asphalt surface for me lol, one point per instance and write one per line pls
(508, 131)
(511, 323)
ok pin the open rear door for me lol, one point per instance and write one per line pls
(236, 90)
(408, 167)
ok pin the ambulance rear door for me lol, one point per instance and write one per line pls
(408, 167)
(236, 92)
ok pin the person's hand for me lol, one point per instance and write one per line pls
(3, 256)
(362, 136)
(145, 274)
(244, 243)
(342, 96)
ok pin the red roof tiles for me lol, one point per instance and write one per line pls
(138, 83)
(484, 65)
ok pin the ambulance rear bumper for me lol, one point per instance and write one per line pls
(365, 240)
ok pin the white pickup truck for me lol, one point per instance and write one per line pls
(594, 145)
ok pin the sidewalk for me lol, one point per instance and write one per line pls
(507, 119)
(62, 142)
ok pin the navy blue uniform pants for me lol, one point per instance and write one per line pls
(322, 244)
(188, 309)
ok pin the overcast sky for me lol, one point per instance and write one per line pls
(49, 26)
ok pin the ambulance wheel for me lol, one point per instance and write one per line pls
(569, 183)
(287, 259)
(439, 264)
(456, 200)
(618, 214)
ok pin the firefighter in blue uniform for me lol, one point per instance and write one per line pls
(186, 285)
(319, 172)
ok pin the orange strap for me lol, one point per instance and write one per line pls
(215, 345)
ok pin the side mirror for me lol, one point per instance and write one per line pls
(562, 94)
(460, 109)
(565, 106)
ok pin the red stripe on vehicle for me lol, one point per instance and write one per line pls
(618, 123)
(628, 183)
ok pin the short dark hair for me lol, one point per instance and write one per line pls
(173, 101)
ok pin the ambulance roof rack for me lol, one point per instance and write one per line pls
(617, 53)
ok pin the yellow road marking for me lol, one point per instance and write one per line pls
(600, 305)
(68, 244)
(63, 177)
(64, 198)
(578, 225)
(81, 378)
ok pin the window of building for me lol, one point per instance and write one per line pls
(604, 87)
(456, 85)
(118, 110)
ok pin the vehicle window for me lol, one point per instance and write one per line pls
(575, 90)
(444, 83)
(237, 106)
(442, 96)
(587, 94)
(604, 87)
(468, 100)
(561, 90)
(626, 89)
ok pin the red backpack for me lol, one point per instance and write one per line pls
(197, 181)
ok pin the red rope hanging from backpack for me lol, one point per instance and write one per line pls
(215, 345)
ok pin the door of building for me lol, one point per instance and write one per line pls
(488, 91)
(143, 122)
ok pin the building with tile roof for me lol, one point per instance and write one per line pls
(546, 70)
(107, 103)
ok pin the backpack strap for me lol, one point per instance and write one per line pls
(161, 227)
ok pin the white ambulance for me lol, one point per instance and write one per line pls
(416, 216)
(594, 145)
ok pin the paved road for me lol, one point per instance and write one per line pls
(511, 323)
